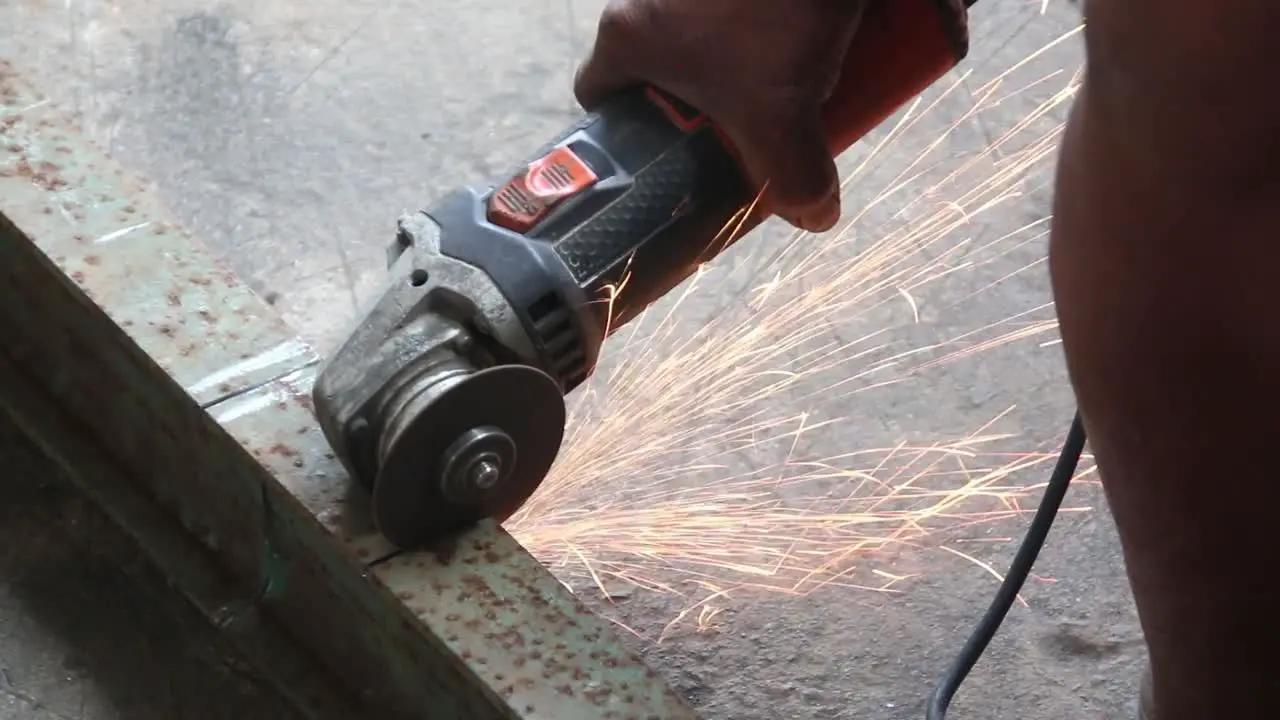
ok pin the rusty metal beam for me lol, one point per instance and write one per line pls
(178, 401)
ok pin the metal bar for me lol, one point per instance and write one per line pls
(179, 401)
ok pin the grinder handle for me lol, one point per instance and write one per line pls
(901, 48)
(630, 201)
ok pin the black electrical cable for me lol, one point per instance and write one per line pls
(1019, 569)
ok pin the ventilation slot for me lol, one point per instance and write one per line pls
(553, 326)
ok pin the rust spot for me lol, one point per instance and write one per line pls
(492, 557)
(14, 148)
(508, 639)
(82, 239)
(77, 276)
(599, 696)
(130, 209)
(43, 174)
(208, 316)
(225, 388)
(282, 449)
(173, 298)
(167, 330)
(565, 690)
(62, 150)
(201, 281)
(47, 210)
(188, 349)
(445, 551)
(298, 464)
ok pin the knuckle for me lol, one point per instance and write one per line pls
(622, 21)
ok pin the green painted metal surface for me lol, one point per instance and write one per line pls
(198, 394)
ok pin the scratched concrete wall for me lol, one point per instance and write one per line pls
(289, 135)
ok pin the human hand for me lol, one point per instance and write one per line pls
(762, 69)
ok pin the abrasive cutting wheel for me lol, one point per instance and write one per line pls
(478, 449)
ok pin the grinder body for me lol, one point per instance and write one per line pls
(446, 402)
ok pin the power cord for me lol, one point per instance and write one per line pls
(1019, 569)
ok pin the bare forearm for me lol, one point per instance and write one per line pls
(1163, 261)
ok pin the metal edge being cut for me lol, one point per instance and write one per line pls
(198, 397)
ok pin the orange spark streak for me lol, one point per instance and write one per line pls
(660, 483)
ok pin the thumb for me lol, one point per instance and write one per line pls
(598, 78)
(786, 152)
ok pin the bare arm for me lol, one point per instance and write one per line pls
(1165, 260)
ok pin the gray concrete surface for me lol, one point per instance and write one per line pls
(290, 135)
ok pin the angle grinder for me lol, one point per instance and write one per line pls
(447, 400)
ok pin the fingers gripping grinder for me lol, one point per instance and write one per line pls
(447, 400)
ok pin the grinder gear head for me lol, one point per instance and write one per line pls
(420, 407)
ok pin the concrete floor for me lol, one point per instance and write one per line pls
(289, 136)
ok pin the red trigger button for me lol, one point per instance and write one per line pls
(532, 194)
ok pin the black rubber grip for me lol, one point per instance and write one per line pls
(665, 198)
(668, 194)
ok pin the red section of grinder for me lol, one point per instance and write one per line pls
(530, 196)
(901, 48)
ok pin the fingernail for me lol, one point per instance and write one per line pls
(823, 217)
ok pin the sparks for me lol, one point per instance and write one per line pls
(662, 484)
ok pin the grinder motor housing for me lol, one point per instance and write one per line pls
(446, 402)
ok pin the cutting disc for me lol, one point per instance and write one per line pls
(516, 401)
